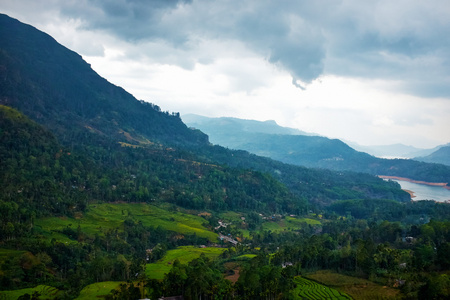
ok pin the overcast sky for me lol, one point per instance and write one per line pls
(373, 72)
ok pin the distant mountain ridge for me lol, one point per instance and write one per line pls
(227, 123)
(390, 151)
(314, 151)
(440, 156)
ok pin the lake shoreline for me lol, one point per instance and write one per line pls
(411, 194)
(441, 184)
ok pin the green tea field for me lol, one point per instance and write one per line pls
(307, 289)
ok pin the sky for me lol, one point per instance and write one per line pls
(372, 72)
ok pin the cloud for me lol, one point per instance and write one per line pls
(266, 28)
(399, 40)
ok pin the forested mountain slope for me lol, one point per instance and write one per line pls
(56, 88)
(313, 151)
(44, 178)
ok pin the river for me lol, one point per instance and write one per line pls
(425, 192)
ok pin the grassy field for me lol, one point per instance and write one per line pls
(45, 291)
(98, 290)
(307, 289)
(358, 288)
(184, 254)
(101, 217)
(289, 223)
(230, 216)
(245, 257)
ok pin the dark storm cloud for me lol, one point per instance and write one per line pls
(131, 20)
(405, 41)
(271, 29)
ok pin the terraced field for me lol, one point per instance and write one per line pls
(101, 217)
(289, 223)
(45, 292)
(307, 289)
(184, 254)
(98, 290)
(358, 288)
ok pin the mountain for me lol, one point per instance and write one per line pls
(389, 151)
(54, 87)
(316, 151)
(224, 124)
(440, 156)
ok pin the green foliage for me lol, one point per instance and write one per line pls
(380, 209)
(436, 287)
(199, 279)
(127, 290)
(260, 279)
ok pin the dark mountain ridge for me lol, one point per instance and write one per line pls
(56, 87)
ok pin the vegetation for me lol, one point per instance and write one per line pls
(98, 187)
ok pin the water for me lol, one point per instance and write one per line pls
(425, 192)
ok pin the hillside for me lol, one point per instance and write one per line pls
(440, 156)
(45, 178)
(315, 151)
(55, 87)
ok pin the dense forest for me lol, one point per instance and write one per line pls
(98, 187)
